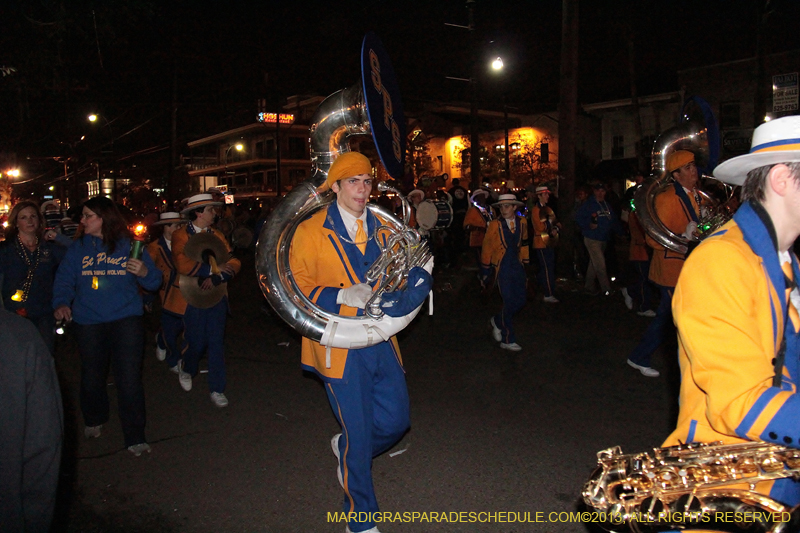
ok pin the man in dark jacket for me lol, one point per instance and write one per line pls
(32, 419)
(597, 222)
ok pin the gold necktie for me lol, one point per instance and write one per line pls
(787, 271)
(361, 237)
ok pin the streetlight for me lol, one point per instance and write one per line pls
(497, 65)
(239, 147)
(93, 118)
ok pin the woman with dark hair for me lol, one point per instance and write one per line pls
(97, 286)
(28, 263)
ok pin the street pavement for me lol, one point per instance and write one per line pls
(491, 431)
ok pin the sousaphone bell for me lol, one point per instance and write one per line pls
(204, 248)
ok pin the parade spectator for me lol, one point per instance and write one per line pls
(169, 343)
(545, 236)
(366, 387)
(28, 262)
(505, 252)
(678, 208)
(477, 220)
(97, 287)
(598, 223)
(32, 422)
(204, 327)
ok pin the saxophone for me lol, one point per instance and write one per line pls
(698, 486)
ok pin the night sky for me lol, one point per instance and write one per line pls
(123, 58)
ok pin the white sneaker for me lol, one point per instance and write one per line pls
(649, 313)
(514, 347)
(92, 432)
(138, 449)
(628, 299)
(161, 353)
(645, 370)
(496, 333)
(184, 378)
(176, 369)
(551, 299)
(219, 399)
(335, 448)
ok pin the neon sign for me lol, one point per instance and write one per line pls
(272, 118)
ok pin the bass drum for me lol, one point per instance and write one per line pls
(242, 238)
(434, 214)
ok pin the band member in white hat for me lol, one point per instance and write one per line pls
(204, 328)
(545, 236)
(173, 304)
(505, 252)
(477, 220)
(736, 309)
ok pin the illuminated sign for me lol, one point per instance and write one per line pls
(272, 118)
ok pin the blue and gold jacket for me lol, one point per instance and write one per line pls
(730, 306)
(323, 262)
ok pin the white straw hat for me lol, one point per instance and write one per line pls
(197, 201)
(169, 217)
(507, 199)
(776, 141)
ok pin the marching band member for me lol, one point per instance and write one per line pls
(505, 251)
(545, 233)
(678, 208)
(94, 288)
(476, 220)
(414, 198)
(173, 304)
(736, 309)
(366, 387)
(204, 329)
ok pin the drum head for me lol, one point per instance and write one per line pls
(427, 215)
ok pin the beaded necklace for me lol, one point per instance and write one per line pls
(31, 259)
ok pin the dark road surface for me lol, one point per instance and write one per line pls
(492, 431)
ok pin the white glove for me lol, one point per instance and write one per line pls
(691, 228)
(355, 296)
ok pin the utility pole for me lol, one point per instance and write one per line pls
(474, 142)
(567, 119)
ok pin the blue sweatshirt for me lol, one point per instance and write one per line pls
(606, 219)
(117, 294)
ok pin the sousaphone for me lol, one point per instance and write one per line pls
(204, 248)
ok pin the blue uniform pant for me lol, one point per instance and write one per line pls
(511, 281)
(371, 404)
(639, 289)
(204, 330)
(546, 276)
(169, 335)
(657, 331)
(121, 344)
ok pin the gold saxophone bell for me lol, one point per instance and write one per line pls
(692, 487)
